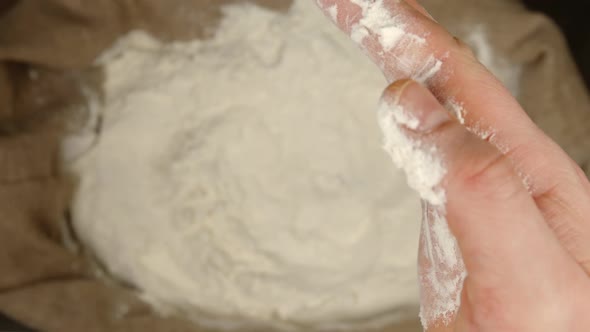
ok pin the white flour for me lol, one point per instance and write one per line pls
(242, 178)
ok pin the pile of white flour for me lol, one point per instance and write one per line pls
(241, 180)
(243, 177)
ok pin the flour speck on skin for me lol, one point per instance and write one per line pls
(376, 19)
(333, 11)
(421, 164)
(240, 181)
(456, 109)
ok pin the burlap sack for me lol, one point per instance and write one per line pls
(46, 48)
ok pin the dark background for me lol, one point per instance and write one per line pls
(8, 325)
(568, 14)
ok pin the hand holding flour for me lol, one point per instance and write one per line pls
(516, 203)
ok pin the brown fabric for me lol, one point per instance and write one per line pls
(51, 288)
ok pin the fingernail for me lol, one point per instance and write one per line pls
(424, 106)
(418, 100)
(433, 120)
(395, 90)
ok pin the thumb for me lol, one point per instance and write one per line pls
(496, 230)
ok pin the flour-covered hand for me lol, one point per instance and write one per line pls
(521, 276)
(516, 203)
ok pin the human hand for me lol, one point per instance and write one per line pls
(518, 206)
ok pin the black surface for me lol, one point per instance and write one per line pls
(9, 325)
(571, 16)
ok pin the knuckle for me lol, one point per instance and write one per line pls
(492, 177)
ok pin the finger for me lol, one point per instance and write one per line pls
(405, 44)
(498, 227)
